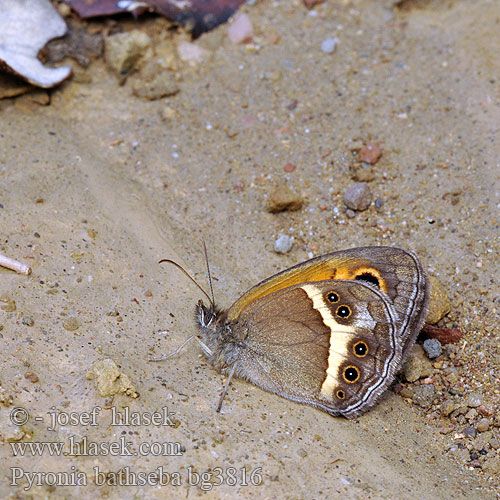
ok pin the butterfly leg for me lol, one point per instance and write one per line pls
(226, 386)
(166, 356)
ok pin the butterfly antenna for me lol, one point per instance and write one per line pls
(209, 274)
(178, 266)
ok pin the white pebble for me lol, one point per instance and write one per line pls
(283, 244)
(328, 45)
(241, 30)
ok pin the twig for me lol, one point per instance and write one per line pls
(15, 265)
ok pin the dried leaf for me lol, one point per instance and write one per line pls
(196, 16)
(444, 335)
(25, 27)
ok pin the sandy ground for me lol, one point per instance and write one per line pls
(98, 186)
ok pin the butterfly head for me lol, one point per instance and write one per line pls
(219, 343)
(208, 317)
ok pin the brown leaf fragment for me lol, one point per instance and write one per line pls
(444, 335)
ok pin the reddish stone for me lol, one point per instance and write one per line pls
(31, 377)
(370, 154)
(289, 167)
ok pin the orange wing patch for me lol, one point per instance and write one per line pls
(320, 270)
(363, 273)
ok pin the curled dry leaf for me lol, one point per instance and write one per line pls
(25, 27)
(196, 16)
(444, 335)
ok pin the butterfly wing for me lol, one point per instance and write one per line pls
(331, 344)
(394, 271)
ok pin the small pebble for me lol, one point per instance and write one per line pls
(329, 45)
(406, 392)
(361, 173)
(439, 303)
(485, 411)
(495, 443)
(124, 50)
(459, 410)
(379, 203)
(417, 365)
(283, 244)
(480, 443)
(446, 429)
(31, 377)
(168, 113)
(358, 196)
(302, 453)
(470, 432)
(424, 395)
(492, 467)
(163, 85)
(483, 425)
(71, 324)
(433, 349)
(447, 407)
(64, 10)
(474, 400)
(370, 153)
(283, 198)
(456, 390)
(471, 414)
(28, 321)
(109, 380)
(350, 213)
(241, 30)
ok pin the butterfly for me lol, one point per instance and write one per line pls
(331, 332)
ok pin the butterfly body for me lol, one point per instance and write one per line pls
(331, 332)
